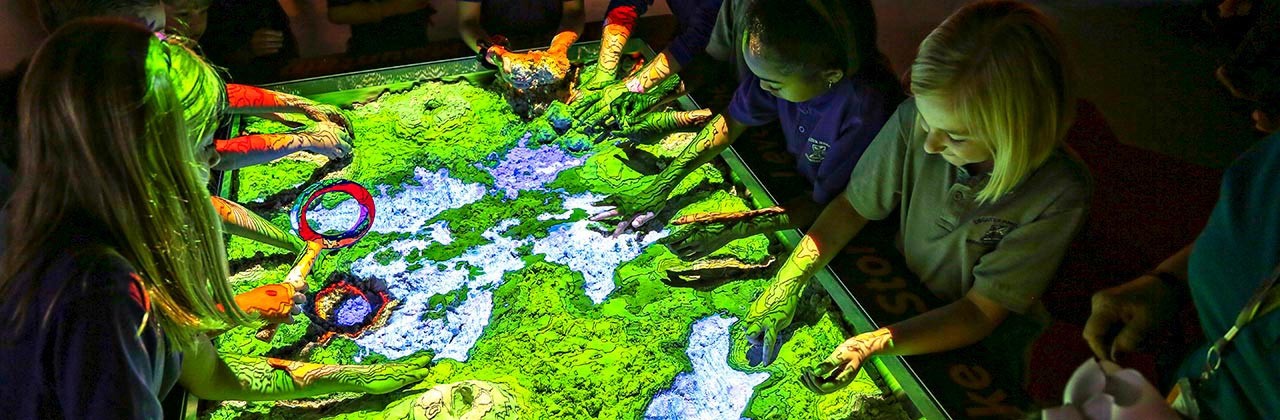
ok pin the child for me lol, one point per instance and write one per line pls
(199, 93)
(829, 87)
(115, 271)
(987, 194)
(188, 18)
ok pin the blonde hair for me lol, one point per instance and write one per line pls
(103, 141)
(200, 90)
(1003, 68)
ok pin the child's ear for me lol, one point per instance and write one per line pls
(832, 76)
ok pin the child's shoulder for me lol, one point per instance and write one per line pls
(1066, 178)
(84, 270)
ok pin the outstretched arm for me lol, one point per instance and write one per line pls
(958, 324)
(241, 222)
(250, 378)
(708, 232)
(618, 24)
(713, 139)
(268, 101)
(774, 309)
(324, 138)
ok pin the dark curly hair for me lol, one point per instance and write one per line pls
(817, 35)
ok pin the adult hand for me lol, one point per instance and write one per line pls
(1136, 308)
(266, 42)
(326, 138)
(769, 315)
(274, 303)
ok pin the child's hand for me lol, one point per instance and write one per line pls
(661, 122)
(274, 303)
(700, 239)
(769, 315)
(326, 138)
(384, 378)
(839, 369)
(266, 42)
(325, 113)
(592, 108)
(635, 207)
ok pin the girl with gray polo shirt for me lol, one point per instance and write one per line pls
(988, 197)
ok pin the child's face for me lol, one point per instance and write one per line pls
(153, 17)
(948, 136)
(207, 156)
(781, 80)
(186, 18)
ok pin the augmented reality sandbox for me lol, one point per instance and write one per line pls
(481, 254)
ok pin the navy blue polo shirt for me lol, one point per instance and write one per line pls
(827, 134)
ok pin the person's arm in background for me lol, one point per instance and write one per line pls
(211, 376)
(469, 28)
(681, 51)
(573, 17)
(359, 12)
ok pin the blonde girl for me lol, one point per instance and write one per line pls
(987, 195)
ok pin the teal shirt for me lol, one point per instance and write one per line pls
(1235, 253)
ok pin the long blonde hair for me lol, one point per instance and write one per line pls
(103, 141)
(1004, 69)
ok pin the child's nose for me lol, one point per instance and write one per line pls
(934, 143)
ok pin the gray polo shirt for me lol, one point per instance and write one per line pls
(1007, 250)
(726, 36)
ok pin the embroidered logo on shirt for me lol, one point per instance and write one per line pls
(996, 230)
(817, 150)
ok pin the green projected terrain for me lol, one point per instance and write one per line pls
(482, 244)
